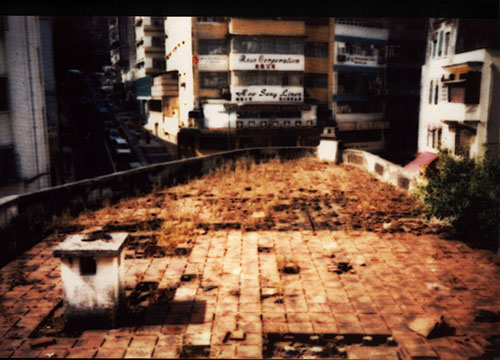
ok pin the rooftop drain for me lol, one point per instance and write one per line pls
(92, 271)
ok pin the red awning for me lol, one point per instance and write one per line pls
(421, 162)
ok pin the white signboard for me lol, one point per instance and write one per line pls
(212, 62)
(263, 93)
(285, 62)
(359, 60)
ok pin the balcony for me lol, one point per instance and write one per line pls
(165, 85)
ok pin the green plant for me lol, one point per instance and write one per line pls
(467, 193)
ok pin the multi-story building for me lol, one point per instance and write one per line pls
(119, 29)
(359, 91)
(459, 108)
(242, 82)
(24, 141)
(150, 55)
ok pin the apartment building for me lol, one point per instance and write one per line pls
(150, 56)
(459, 108)
(24, 140)
(119, 29)
(242, 82)
(359, 91)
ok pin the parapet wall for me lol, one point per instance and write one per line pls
(24, 217)
(381, 168)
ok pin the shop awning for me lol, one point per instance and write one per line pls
(421, 162)
(464, 67)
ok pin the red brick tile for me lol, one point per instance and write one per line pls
(223, 351)
(375, 353)
(53, 353)
(135, 352)
(166, 352)
(249, 352)
(348, 324)
(103, 353)
(6, 353)
(300, 327)
(81, 353)
(419, 351)
(342, 308)
(26, 354)
(373, 324)
(116, 342)
(91, 342)
(275, 327)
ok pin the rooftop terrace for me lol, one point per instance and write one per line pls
(281, 259)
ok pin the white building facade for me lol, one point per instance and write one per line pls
(460, 93)
(24, 141)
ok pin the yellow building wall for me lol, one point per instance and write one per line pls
(266, 27)
(211, 30)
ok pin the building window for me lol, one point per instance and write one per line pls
(430, 92)
(360, 84)
(319, 81)
(157, 21)
(467, 91)
(211, 19)
(212, 47)
(434, 138)
(440, 44)
(456, 93)
(159, 64)
(213, 80)
(254, 45)
(158, 41)
(359, 107)
(446, 42)
(8, 169)
(314, 49)
(155, 105)
(434, 45)
(463, 142)
(3, 94)
(436, 93)
(249, 78)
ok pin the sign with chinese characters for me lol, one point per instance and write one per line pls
(270, 62)
(263, 93)
(212, 62)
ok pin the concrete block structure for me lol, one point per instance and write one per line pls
(459, 108)
(24, 140)
(92, 273)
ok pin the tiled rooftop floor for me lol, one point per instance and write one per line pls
(396, 277)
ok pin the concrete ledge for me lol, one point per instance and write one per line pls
(24, 217)
(381, 168)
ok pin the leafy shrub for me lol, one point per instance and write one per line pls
(467, 193)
